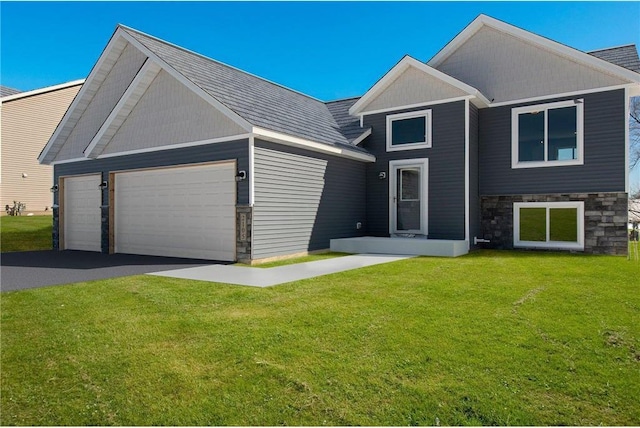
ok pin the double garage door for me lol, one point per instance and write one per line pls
(174, 212)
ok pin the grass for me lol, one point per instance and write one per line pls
(25, 233)
(492, 338)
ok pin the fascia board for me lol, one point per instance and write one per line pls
(86, 87)
(41, 90)
(278, 137)
(362, 136)
(189, 84)
(548, 44)
(143, 79)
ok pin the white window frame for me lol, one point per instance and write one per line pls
(410, 115)
(516, 112)
(561, 245)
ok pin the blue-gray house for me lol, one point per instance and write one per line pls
(504, 139)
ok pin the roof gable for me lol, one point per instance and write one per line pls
(508, 63)
(259, 102)
(411, 82)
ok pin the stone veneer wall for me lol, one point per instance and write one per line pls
(243, 233)
(605, 222)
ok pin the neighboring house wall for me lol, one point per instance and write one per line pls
(446, 199)
(303, 199)
(102, 103)
(27, 125)
(236, 150)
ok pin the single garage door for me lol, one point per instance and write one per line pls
(81, 213)
(177, 212)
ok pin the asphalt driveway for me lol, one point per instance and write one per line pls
(32, 269)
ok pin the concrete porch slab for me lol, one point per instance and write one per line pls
(266, 277)
(408, 246)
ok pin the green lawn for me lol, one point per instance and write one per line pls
(25, 233)
(492, 338)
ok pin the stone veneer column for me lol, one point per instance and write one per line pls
(605, 219)
(55, 234)
(244, 233)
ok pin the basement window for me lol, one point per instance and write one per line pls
(556, 225)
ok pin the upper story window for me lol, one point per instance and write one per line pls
(547, 135)
(407, 131)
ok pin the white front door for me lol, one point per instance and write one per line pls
(408, 191)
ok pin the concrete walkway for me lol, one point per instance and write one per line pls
(267, 277)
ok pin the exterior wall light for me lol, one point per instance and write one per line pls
(54, 189)
(241, 175)
(382, 175)
(104, 185)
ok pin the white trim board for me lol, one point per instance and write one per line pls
(277, 137)
(174, 146)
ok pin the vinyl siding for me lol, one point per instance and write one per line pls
(604, 152)
(102, 103)
(27, 125)
(413, 87)
(446, 211)
(506, 68)
(474, 175)
(236, 150)
(170, 113)
(303, 199)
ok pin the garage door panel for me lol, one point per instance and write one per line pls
(82, 214)
(180, 212)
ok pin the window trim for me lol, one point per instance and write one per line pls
(560, 245)
(516, 112)
(409, 115)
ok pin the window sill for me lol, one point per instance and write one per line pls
(412, 146)
(549, 245)
(546, 164)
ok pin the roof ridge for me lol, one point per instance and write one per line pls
(126, 28)
(343, 99)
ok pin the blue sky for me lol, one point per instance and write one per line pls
(328, 50)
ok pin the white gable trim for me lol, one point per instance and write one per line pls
(280, 138)
(107, 59)
(400, 68)
(125, 105)
(361, 138)
(548, 44)
(41, 91)
(174, 146)
(632, 88)
(189, 84)
(425, 104)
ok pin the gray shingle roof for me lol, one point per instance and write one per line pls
(260, 102)
(6, 91)
(349, 125)
(624, 56)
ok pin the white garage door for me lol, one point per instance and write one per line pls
(81, 213)
(177, 212)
